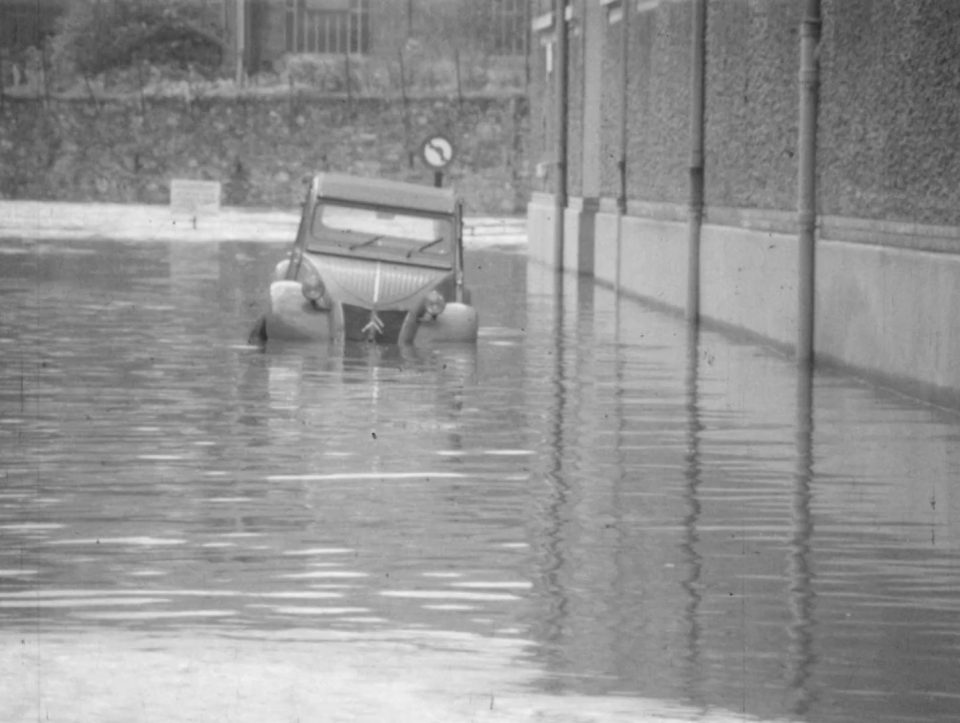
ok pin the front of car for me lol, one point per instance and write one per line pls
(374, 260)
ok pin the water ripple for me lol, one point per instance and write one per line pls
(644, 523)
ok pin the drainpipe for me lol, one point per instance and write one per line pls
(3, 22)
(241, 31)
(698, 91)
(560, 65)
(622, 163)
(807, 180)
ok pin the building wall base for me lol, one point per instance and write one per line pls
(886, 313)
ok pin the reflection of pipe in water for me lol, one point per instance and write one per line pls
(801, 596)
(623, 555)
(555, 618)
(691, 536)
(458, 370)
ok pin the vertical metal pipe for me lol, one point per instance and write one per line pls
(458, 250)
(624, 107)
(241, 30)
(304, 22)
(561, 70)
(807, 179)
(407, 142)
(3, 20)
(527, 10)
(624, 81)
(697, 104)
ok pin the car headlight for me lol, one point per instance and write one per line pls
(311, 285)
(435, 303)
(280, 271)
(313, 288)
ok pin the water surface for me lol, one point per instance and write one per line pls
(590, 515)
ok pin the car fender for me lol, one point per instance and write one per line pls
(458, 322)
(293, 317)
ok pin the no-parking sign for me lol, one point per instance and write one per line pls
(437, 151)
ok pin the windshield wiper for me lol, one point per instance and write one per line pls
(424, 247)
(369, 241)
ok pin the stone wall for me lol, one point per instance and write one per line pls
(751, 104)
(575, 140)
(612, 100)
(544, 123)
(658, 99)
(890, 110)
(259, 148)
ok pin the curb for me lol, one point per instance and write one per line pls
(42, 220)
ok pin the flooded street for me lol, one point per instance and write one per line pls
(588, 516)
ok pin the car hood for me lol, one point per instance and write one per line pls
(376, 284)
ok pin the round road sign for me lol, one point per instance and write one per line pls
(437, 151)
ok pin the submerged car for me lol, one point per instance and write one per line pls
(374, 260)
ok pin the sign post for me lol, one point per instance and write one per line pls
(194, 198)
(437, 152)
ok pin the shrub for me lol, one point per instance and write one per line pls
(94, 37)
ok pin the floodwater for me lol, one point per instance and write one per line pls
(590, 516)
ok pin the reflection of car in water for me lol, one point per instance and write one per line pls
(367, 403)
(373, 260)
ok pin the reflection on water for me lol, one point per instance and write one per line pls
(591, 502)
(801, 597)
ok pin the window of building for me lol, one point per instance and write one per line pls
(24, 24)
(509, 27)
(332, 27)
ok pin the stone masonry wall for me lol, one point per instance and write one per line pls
(260, 149)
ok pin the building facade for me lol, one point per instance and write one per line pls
(784, 168)
(258, 34)
(269, 30)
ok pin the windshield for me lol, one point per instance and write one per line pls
(362, 230)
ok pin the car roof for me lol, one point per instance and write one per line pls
(383, 192)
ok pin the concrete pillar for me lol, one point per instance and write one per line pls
(580, 215)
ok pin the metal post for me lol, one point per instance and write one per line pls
(622, 163)
(241, 30)
(560, 68)
(458, 251)
(347, 72)
(697, 96)
(807, 181)
(3, 20)
(406, 108)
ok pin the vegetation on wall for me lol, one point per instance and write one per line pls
(129, 94)
(171, 48)
(96, 37)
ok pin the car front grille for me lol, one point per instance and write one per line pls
(380, 326)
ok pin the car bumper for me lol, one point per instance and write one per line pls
(294, 318)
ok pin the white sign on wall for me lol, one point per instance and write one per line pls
(194, 198)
